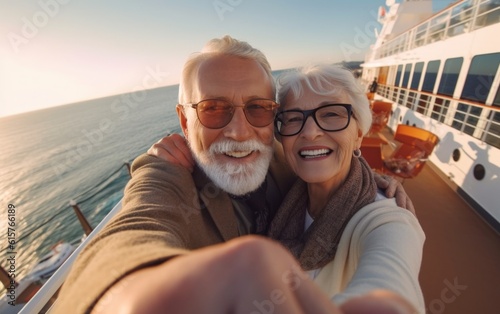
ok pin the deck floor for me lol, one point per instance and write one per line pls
(461, 263)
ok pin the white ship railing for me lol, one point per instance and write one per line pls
(460, 18)
(476, 119)
(51, 287)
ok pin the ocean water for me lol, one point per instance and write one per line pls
(78, 152)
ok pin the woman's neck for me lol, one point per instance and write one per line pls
(319, 195)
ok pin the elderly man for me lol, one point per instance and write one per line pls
(178, 245)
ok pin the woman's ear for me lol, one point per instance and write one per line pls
(359, 138)
(277, 136)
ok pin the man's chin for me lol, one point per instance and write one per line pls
(238, 184)
(237, 176)
(236, 179)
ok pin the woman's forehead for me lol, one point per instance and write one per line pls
(311, 99)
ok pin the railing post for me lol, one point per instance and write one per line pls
(87, 228)
(128, 168)
(6, 279)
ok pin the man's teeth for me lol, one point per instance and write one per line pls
(314, 153)
(238, 154)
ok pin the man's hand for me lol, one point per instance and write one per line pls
(174, 149)
(393, 188)
(246, 275)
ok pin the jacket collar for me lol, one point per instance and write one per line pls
(218, 205)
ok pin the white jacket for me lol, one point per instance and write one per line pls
(380, 248)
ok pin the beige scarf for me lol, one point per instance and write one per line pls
(317, 246)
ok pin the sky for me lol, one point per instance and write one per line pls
(57, 52)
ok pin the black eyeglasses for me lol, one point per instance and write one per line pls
(217, 113)
(330, 118)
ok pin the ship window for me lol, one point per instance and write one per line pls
(449, 77)
(411, 100)
(406, 76)
(493, 135)
(420, 35)
(480, 77)
(430, 76)
(437, 27)
(460, 18)
(394, 94)
(479, 172)
(402, 97)
(423, 103)
(487, 14)
(466, 118)
(440, 109)
(398, 75)
(417, 74)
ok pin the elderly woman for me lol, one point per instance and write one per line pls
(349, 237)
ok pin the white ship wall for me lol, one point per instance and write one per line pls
(485, 192)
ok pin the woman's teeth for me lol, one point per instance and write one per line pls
(314, 153)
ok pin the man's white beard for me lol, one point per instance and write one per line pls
(235, 178)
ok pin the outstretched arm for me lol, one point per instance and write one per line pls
(152, 227)
(385, 246)
(262, 278)
(245, 275)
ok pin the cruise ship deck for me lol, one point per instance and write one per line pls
(460, 268)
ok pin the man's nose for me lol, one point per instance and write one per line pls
(238, 128)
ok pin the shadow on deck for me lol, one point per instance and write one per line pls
(461, 264)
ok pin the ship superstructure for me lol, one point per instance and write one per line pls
(442, 73)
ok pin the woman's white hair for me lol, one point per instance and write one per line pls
(328, 80)
(219, 46)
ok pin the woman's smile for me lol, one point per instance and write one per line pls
(314, 152)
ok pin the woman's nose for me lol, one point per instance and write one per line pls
(311, 128)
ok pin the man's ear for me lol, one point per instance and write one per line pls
(181, 113)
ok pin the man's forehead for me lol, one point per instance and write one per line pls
(223, 66)
(227, 76)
